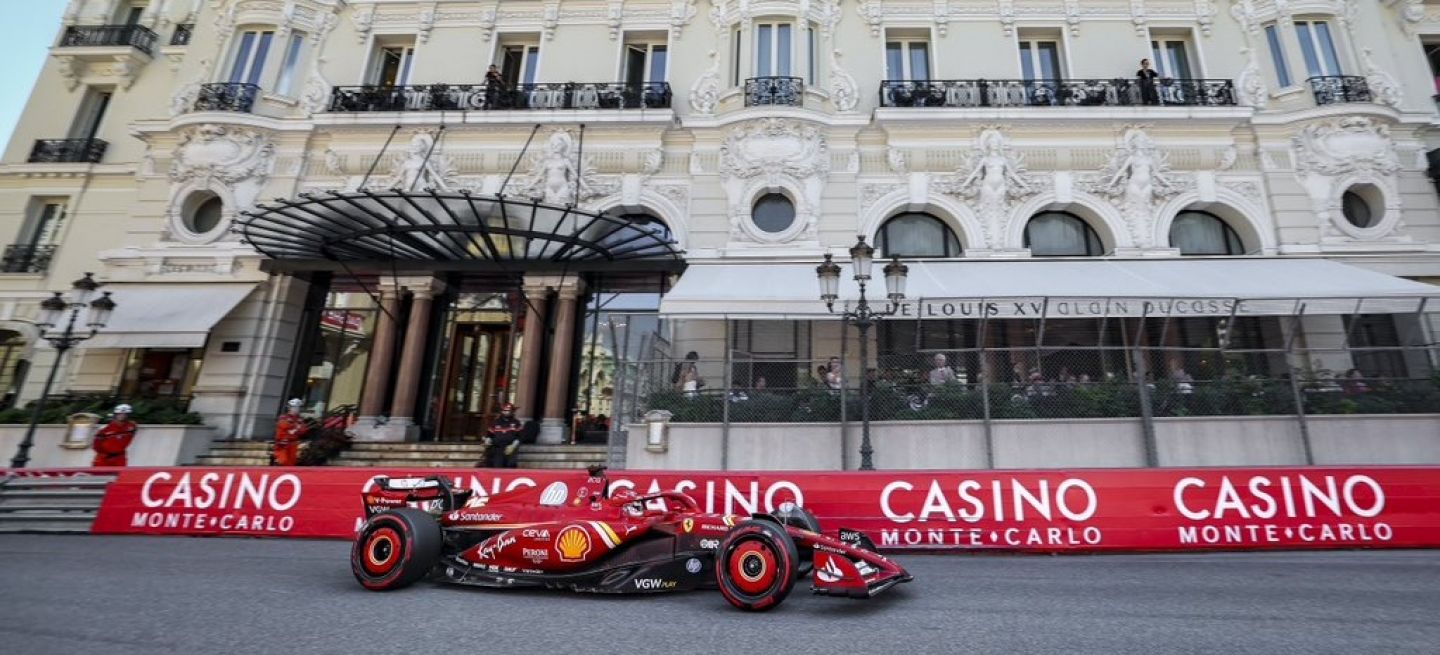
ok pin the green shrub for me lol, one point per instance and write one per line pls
(148, 411)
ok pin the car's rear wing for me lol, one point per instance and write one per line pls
(431, 493)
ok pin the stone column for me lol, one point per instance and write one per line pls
(557, 388)
(526, 402)
(412, 354)
(382, 354)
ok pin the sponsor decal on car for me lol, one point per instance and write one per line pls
(710, 544)
(536, 555)
(573, 543)
(532, 533)
(497, 545)
(474, 517)
(555, 494)
(829, 572)
(688, 525)
(654, 583)
(693, 565)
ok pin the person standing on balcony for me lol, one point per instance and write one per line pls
(494, 84)
(113, 439)
(686, 377)
(288, 431)
(1146, 77)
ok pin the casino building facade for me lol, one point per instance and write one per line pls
(409, 211)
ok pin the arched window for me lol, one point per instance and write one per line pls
(627, 239)
(1061, 234)
(1202, 233)
(915, 235)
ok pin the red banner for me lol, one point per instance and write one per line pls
(1061, 510)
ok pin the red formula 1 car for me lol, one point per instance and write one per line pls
(580, 536)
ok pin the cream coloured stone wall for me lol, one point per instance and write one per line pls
(1273, 166)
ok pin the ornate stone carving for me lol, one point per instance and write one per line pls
(1137, 17)
(1243, 11)
(1205, 16)
(774, 153)
(1347, 145)
(844, 92)
(425, 23)
(422, 166)
(705, 91)
(233, 163)
(615, 17)
(364, 20)
(554, 173)
(1383, 86)
(1412, 13)
(1072, 16)
(1138, 176)
(681, 13)
(1007, 16)
(942, 16)
(873, 14)
(895, 160)
(549, 20)
(487, 22)
(1250, 88)
(994, 178)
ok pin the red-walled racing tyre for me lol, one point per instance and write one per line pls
(756, 565)
(395, 548)
(796, 516)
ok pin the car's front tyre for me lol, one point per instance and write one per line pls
(395, 548)
(756, 565)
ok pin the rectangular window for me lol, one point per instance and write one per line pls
(519, 64)
(131, 12)
(1277, 55)
(1171, 58)
(286, 80)
(1040, 60)
(814, 54)
(250, 56)
(645, 62)
(778, 351)
(392, 65)
(735, 69)
(161, 372)
(91, 114)
(44, 227)
(907, 59)
(772, 50)
(1318, 48)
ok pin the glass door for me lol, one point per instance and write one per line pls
(473, 374)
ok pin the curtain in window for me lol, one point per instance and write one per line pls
(1060, 235)
(1195, 233)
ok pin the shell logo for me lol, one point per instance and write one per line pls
(573, 543)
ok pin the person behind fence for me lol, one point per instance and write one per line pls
(1354, 382)
(289, 429)
(1146, 77)
(1184, 382)
(686, 377)
(503, 438)
(834, 374)
(114, 438)
(941, 373)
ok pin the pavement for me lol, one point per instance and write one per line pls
(113, 595)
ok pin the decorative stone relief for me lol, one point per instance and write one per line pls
(873, 14)
(184, 97)
(1412, 13)
(316, 96)
(705, 90)
(615, 17)
(554, 173)
(426, 21)
(1072, 16)
(1137, 17)
(423, 166)
(1250, 88)
(844, 91)
(364, 20)
(1007, 16)
(234, 163)
(1244, 13)
(681, 13)
(1138, 177)
(1332, 156)
(774, 154)
(942, 17)
(994, 179)
(549, 20)
(1383, 86)
(487, 22)
(1205, 16)
(895, 159)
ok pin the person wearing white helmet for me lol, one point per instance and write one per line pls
(288, 431)
(114, 438)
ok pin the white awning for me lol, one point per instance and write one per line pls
(1059, 289)
(166, 315)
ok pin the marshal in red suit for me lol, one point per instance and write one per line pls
(114, 438)
(288, 431)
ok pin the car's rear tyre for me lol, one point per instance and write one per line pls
(796, 516)
(756, 565)
(395, 548)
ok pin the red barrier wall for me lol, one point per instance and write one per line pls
(1063, 510)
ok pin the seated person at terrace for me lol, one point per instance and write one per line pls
(941, 373)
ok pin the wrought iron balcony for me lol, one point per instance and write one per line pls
(67, 151)
(1335, 89)
(788, 91)
(182, 34)
(1119, 92)
(480, 97)
(25, 258)
(226, 96)
(135, 36)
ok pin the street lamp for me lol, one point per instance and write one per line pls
(52, 311)
(862, 257)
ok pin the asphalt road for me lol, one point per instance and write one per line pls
(76, 594)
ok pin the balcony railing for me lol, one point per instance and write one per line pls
(226, 96)
(136, 36)
(787, 91)
(479, 97)
(1120, 92)
(67, 151)
(182, 34)
(1335, 89)
(25, 258)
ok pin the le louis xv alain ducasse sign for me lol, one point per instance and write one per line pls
(927, 308)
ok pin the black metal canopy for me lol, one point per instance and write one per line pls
(435, 230)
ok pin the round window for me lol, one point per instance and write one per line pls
(1357, 208)
(206, 216)
(773, 213)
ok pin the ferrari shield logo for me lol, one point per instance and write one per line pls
(688, 525)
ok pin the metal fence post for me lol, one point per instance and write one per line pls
(1147, 410)
(985, 387)
(1295, 385)
(725, 403)
(844, 389)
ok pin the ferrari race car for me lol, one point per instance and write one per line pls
(593, 540)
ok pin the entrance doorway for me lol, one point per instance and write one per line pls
(476, 365)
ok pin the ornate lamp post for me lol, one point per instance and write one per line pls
(862, 256)
(52, 311)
